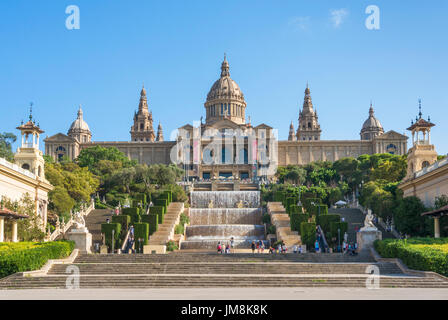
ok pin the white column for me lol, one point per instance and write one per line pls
(14, 231)
(436, 227)
(2, 229)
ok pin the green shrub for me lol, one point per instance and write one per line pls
(424, 254)
(100, 205)
(161, 202)
(322, 209)
(279, 196)
(325, 221)
(179, 229)
(141, 231)
(140, 197)
(124, 221)
(271, 229)
(28, 256)
(169, 194)
(308, 234)
(106, 229)
(290, 201)
(160, 211)
(334, 226)
(133, 212)
(184, 219)
(310, 208)
(296, 219)
(267, 218)
(152, 220)
(171, 246)
(296, 209)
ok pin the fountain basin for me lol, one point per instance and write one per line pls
(225, 199)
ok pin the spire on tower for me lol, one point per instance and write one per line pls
(225, 67)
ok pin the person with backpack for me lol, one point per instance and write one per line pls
(253, 246)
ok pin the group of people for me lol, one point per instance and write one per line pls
(225, 248)
(259, 246)
(280, 248)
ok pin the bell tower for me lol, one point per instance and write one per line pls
(423, 153)
(28, 155)
(309, 127)
(142, 130)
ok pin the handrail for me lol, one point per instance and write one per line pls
(125, 242)
(324, 239)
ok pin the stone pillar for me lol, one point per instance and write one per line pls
(14, 231)
(437, 227)
(2, 229)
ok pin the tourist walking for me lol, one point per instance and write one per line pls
(232, 241)
(219, 247)
(316, 246)
(253, 246)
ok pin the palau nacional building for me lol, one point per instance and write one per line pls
(225, 109)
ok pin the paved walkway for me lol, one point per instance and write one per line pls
(228, 294)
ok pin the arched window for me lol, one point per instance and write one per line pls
(60, 152)
(309, 125)
(26, 166)
(425, 164)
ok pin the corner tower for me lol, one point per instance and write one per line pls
(142, 130)
(423, 153)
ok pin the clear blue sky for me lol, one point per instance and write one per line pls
(176, 47)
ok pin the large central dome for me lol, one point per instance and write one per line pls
(225, 99)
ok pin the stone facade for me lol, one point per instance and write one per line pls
(225, 110)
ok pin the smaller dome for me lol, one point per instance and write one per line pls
(79, 124)
(372, 122)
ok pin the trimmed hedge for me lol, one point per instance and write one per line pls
(297, 219)
(152, 220)
(308, 234)
(334, 226)
(140, 197)
(323, 209)
(279, 196)
(160, 211)
(141, 231)
(107, 228)
(420, 253)
(310, 208)
(161, 202)
(133, 212)
(290, 201)
(124, 221)
(325, 221)
(169, 194)
(296, 209)
(28, 256)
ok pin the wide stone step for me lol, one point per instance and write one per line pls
(219, 281)
(228, 268)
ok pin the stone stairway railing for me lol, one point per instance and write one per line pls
(280, 219)
(165, 232)
(62, 228)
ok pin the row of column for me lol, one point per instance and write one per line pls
(2, 230)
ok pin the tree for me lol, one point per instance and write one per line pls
(408, 219)
(60, 200)
(441, 201)
(28, 229)
(6, 141)
(125, 177)
(91, 157)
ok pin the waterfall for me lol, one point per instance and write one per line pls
(222, 215)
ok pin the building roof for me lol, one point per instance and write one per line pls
(372, 122)
(225, 87)
(11, 214)
(79, 124)
(437, 213)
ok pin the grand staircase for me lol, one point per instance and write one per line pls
(215, 270)
(165, 230)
